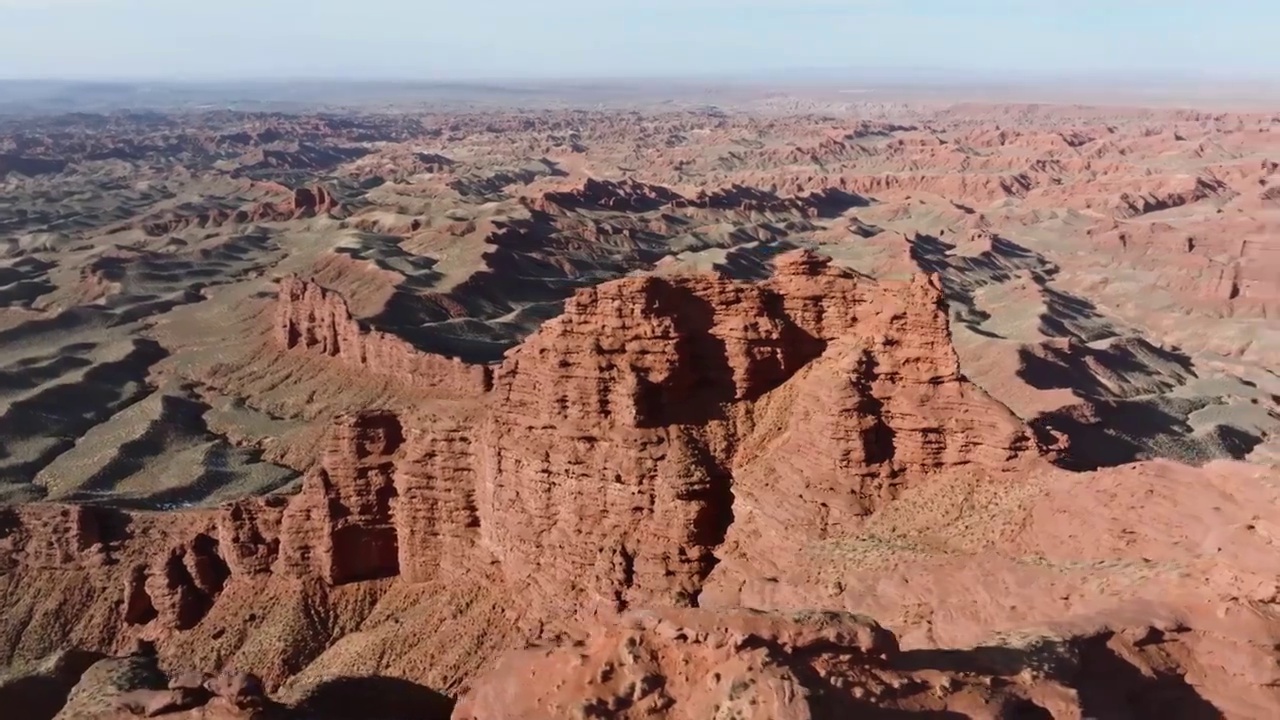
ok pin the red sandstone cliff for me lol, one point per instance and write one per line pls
(652, 407)
(312, 319)
(666, 442)
(605, 470)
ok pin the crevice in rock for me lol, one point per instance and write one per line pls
(138, 608)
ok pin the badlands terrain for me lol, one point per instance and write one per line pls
(778, 410)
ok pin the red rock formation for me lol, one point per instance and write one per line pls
(1129, 205)
(683, 392)
(1124, 196)
(694, 664)
(627, 481)
(312, 319)
(387, 500)
(340, 526)
(1219, 264)
(805, 442)
(666, 442)
(958, 187)
(310, 202)
(306, 202)
(249, 533)
(750, 199)
(50, 536)
(436, 515)
(623, 196)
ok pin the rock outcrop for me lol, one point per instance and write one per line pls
(311, 319)
(675, 444)
(694, 664)
(606, 468)
(302, 203)
(653, 406)
(134, 686)
(684, 393)
(385, 502)
(340, 526)
(310, 202)
(623, 196)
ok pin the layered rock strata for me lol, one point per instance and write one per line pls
(662, 438)
(653, 407)
(618, 449)
(311, 319)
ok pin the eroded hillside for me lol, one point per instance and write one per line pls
(361, 404)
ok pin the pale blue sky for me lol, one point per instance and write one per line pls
(470, 39)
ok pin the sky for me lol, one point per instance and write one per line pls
(523, 39)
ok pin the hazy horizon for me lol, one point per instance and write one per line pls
(582, 41)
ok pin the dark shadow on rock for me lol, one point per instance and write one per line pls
(1070, 315)
(753, 262)
(1107, 684)
(1052, 657)
(41, 696)
(963, 275)
(1122, 432)
(1066, 315)
(534, 265)
(702, 382)
(376, 697)
(1084, 369)
(492, 187)
(834, 202)
(386, 253)
(1109, 687)
(829, 701)
(869, 711)
(1024, 709)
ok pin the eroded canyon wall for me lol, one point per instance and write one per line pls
(653, 408)
(656, 430)
(315, 320)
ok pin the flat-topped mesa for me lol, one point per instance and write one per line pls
(316, 320)
(803, 262)
(643, 406)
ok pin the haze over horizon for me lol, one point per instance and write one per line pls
(503, 39)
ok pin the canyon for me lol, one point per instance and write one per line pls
(884, 409)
